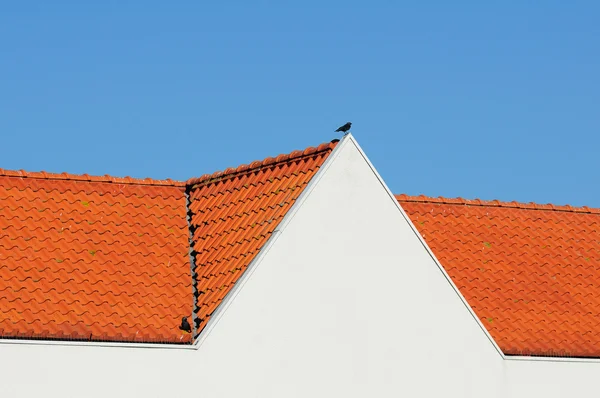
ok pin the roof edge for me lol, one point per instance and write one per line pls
(89, 178)
(258, 164)
(104, 344)
(540, 358)
(495, 203)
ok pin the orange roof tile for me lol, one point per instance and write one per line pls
(108, 259)
(234, 213)
(90, 260)
(530, 272)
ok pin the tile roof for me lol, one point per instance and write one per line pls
(530, 272)
(233, 213)
(92, 260)
(108, 259)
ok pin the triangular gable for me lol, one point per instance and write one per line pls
(108, 259)
(529, 272)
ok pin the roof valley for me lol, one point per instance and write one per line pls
(192, 260)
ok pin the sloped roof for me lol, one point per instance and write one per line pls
(108, 259)
(530, 272)
(234, 213)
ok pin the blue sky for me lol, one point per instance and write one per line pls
(491, 101)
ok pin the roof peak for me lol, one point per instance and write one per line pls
(495, 203)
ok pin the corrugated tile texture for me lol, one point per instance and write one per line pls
(108, 259)
(235, 212)
(93, 258)
(530, 272)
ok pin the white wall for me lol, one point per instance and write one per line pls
(549, 378)
(347, 303)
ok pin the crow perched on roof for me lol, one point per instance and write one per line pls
(344, 129)
(185, 326)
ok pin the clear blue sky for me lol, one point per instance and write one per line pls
(447, 98)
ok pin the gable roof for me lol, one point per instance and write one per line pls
(108, 259)
(530, 272)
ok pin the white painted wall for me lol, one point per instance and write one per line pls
(346, 303)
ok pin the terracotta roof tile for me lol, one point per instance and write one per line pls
(235, 212)
(92, 260)
(107, 259)
(530, 272)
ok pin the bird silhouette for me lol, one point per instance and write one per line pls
(185, 326)
(344, 129)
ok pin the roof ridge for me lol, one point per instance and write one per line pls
(89, 178)
(169, 182)
(258, 164)
(496, 203)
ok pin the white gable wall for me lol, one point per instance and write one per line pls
(347, 302)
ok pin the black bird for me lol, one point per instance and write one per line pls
(185, 326)
(344, 129)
